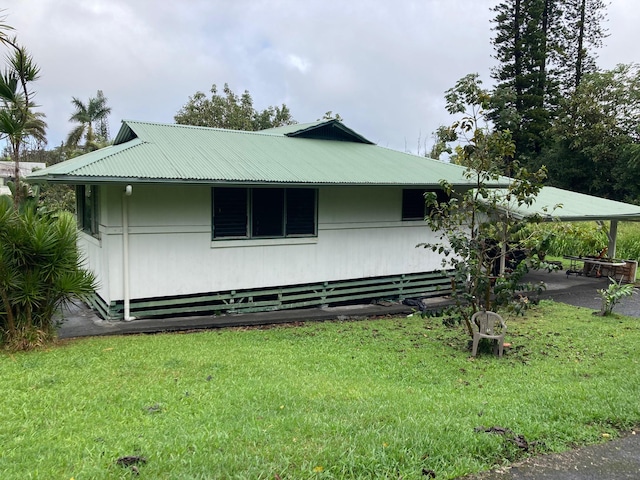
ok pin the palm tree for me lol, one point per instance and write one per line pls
(92, 123)
(18, 121)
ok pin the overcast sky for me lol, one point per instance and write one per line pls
(383, 65)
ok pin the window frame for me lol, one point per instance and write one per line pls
(88, 209)
(251, 227)
(440, 193)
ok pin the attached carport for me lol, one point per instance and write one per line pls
(555, 204)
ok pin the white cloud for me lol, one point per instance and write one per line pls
(298, 63)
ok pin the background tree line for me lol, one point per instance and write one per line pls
(562, 111)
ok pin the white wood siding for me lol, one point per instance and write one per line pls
(360, 234)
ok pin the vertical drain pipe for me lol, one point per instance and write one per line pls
(125, 252)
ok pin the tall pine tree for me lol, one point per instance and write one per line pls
(526, 31)
(583, 33)
(543, 50)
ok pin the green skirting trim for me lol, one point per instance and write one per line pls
(394, 287)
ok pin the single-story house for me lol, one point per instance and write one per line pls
(183, 220)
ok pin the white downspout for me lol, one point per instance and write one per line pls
(125, 253)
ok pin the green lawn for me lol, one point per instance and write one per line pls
(368, 399)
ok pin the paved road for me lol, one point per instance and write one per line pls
(615, 460)
(581, 291)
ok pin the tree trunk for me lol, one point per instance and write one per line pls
(580, 54)
(11, 322)
(542, 63)
(15, 156)
(517, 54)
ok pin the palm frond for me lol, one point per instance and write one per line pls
(75, 135)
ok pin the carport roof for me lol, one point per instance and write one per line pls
(573, 206)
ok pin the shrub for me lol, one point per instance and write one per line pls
(612, 295)
(40, 271)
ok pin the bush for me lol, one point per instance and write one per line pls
(39, 272)
(612, 295)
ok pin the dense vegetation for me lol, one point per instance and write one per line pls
(562, 111)
(589, 239)
(231, 111)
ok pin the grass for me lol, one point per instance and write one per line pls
(381, 398)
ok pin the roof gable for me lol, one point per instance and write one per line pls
(320, 130)
(125, 134)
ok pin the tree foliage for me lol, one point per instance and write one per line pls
(329, 115)
(231, 111)
(19, 123)
(561, 110)
(476, 226)
(596, 137)
(544, 48)
(583, 32)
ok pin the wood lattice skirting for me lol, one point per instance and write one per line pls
(363, 290)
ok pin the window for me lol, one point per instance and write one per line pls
(267, 208)
(413, 207)
(301, 211)
(88, 208)
(230, 212)
(263, 212)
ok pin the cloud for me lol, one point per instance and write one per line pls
(298, 63)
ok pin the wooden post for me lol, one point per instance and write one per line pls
(613, 234)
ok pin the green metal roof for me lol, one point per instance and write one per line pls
(319, 153)
(577, 207)
(159, 153)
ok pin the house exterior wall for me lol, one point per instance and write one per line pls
(360, 235)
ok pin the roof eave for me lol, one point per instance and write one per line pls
(580, 218)
(83, 180)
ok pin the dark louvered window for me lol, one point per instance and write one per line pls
(267, 215)
(413, 206)
(230, 212)
(301, 211)
(269, 212)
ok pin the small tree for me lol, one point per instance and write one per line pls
(475, 226)
(613, 295)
